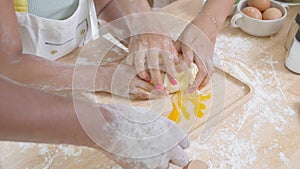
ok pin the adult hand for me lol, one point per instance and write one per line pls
(122, 80)
(140, 138)
(146, 51)
(149, 43)
(196, 47)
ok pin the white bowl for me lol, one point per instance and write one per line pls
(233, 10)
(258, 27)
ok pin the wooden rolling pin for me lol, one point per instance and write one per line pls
(196, 164)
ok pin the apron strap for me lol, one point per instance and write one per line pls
(21, 6)
(93, 20)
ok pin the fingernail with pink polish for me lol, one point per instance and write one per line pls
(148, 79)
(159, 88)
(174, 82)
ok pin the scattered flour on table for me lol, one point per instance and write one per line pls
(70, 151)
(50, 155)
(283, 158)
(227, 147)
(116, 167)
(51, 152)
(43, 149)
(25, 146)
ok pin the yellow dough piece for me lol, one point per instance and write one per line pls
(179, 108)
(180, 99)
(184, 78)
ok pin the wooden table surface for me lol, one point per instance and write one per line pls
(263, 133)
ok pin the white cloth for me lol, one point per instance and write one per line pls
(52, 39)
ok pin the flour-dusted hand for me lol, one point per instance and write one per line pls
(141, 138)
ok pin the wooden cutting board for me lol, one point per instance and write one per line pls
(226, 91)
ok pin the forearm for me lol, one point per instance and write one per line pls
(50, 75)
(213, 10)
(137, 13)
(129, 7)
(31, 70)
(33, 116)
(218, 10)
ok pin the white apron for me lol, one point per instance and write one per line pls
(52, 39)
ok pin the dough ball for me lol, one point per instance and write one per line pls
(184, 78)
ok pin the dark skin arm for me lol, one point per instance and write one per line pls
(30, 115)
(33, 116)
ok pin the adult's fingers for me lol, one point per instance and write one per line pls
(168, 61)
(181, 66)
(153, 66)
(139, 62)
(201, 74)
(204, 82)
(139, 94)
(174, 52)
(133, 48)
(144, 85)
(209, 71)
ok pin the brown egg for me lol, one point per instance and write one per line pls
(272, 13)
(262, 5)
(252, 12)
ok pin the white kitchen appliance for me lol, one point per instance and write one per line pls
(292, 61)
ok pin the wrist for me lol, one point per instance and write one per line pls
(211, 18)
(207, 25)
